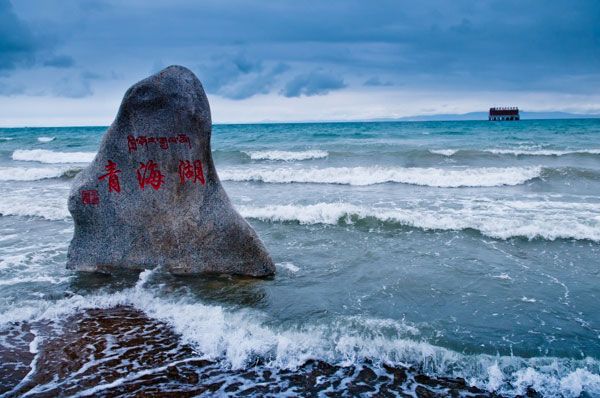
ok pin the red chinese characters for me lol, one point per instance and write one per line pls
(90, 197)
(163, 142)
(149, 174)
(112, 175)
(191, 171)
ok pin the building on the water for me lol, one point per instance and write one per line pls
(504, 113)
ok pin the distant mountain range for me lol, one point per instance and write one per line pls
(443, 118)
(484, 116)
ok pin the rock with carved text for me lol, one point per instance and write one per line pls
(152, 196)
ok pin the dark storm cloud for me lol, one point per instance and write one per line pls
(312, 83)
(22, 46)
(17, 46)
(236, 46)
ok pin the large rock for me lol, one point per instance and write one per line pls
(152, 196)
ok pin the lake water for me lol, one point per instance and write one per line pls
(451, 249)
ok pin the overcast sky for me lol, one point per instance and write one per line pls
(69, 62)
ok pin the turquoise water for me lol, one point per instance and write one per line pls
(462, 249)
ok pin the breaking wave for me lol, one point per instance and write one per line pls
(433, 177)
(47, 156)
(500, 219)
(497, 219)
(37, 173)
(287, 155)
(542, 152)
(46, 139)
(518, 151)
(444, 152)
(50, 204)
(49, 211)
(237, 338)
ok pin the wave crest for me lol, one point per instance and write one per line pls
(444, 152)
(433, 177)
(542, 152)
(36, 173)
(517, 151)
(496, 219)
(47, 156)
(287, 155)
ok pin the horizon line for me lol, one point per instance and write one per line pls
(403, 119)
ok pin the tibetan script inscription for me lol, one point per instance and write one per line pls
(162, 142)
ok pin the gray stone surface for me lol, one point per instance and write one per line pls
(154, 209)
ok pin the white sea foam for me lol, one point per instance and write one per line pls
(498, 219)
(433, 177)
(445, 152)
(288, 266)
(49, 203)
(33, 173)
(27, 259)
(526, 299)
(238, 337)
(287, 155)
(54, 210)
(34, 279)
(503, 276)
(46, 139)
(33, 349)
(47, 156)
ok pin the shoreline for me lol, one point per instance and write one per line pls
(80, 360)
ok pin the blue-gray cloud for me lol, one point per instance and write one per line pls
(260, 83)
(60, 61)
(76, 85)
(223, 69)
(235, 46)
(238, 76)
(8, 89)
(375, 81)
(312, 83)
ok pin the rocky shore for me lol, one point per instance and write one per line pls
(121, 352)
